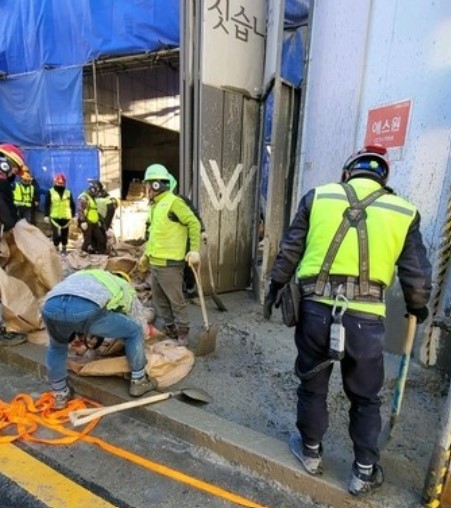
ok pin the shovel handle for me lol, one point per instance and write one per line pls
(201, 296)
(82, 416)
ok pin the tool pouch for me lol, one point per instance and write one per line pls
(289, 300)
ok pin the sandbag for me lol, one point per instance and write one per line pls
(167, 362)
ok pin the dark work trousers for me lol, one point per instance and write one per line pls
(188, 278)
(60, 231)
(94, 239)
(362, 371)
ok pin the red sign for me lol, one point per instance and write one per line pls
(387, 125)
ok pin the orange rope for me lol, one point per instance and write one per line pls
(22, 418)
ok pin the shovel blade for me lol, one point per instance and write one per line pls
(206, 342)
(196, 394)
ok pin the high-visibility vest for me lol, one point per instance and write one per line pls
(23, 195)
(167, 239)
(388, 221)
(122, 293)
(60, 204)
(92, 215)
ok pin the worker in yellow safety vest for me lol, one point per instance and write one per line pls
(59, 209)
(94, 238)
(172, 225)
(24, 196)
(343, 246)
(92, 304)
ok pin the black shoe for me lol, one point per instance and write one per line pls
(11, 338)
(312, 460)
(171, 332)
(360, 483)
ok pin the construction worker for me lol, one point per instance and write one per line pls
(94, 303)
(189, 281)
(59, 208)
(24, 197)
(11, 164)
(344, 259)
(94, 239)
(106, 206)
(172, 225)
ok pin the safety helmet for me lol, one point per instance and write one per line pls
(59, 179)
(13, 154)
(370, 160)
(156, 172)
(26, 177)
(122, 275)
(95, 187)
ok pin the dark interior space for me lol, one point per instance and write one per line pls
(145, 144)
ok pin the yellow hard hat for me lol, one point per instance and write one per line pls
(122, 275)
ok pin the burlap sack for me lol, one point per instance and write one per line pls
(166, 361)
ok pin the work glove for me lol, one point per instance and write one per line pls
(204, 237)
(84, 226)
(47, 220)
(193, 258)
(271, 297)
(421, 314)
(143, 265)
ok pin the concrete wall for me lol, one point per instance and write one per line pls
(367, 54)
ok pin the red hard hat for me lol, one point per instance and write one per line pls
(13, 154)
(59, 179)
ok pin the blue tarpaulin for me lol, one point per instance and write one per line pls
(44, 45)
(39, 33)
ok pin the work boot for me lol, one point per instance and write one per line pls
(142, 385)
(183, 336)
(190, 293)
(62, 397)
(11, 338)
(170, 331)
(63, 250)
(310, 458)
(365, 480)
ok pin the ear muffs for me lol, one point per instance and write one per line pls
(5, 166)
(156, 185)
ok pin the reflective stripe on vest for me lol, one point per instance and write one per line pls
(23, 195)
(60, 205)
(92, 214)
(122, 293)
(167, 239)
(388, 221)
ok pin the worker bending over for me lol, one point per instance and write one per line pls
(94, 303)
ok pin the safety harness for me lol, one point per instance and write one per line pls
(353, 288)
(344, 287)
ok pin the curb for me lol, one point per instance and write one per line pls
(261, 454)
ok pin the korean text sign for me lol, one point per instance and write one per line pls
(387, 125)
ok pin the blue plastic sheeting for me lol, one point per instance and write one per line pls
(42, 108)
(296, 12)
(292, 67)
(38, 33)
(78, 165)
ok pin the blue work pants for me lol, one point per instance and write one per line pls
(67, 315)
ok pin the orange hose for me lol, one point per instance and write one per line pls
(22, 417)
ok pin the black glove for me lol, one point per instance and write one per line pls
(421, 314)
(270, 298)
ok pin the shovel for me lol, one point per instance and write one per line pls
(400, 381)
(82, 416)
(219, 303)
(206, 343)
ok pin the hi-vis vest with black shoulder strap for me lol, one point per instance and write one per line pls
(167, 239)
(23, 195)
(92, 215)
(60, 204)
(356, 234)
(122, 293)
